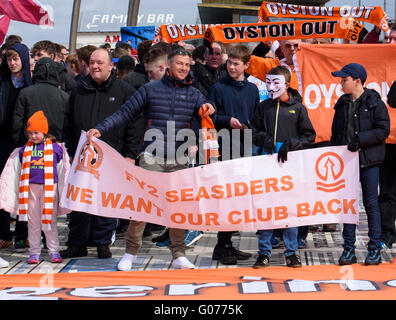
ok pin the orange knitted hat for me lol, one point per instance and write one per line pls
(38, 122)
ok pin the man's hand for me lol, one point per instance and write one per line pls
(208, 109)
(93, 133)
(235, 124)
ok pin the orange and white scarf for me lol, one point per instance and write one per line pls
(209, 137)
(49, 187)
(370, 14)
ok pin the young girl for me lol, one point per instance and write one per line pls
(38, 172)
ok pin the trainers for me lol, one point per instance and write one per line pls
(262, 261)
(126, 262)
(165, 243)
(4, 263)
(192, 237)
(225, 254)
(276, 242)
(182, 263)
(103, 251)
(373, 257)
(162, 237)
(293, 261)
(20, 246)
(55, 258)
(74, 252)
(348, 256)
(33, 259)
(302, 243)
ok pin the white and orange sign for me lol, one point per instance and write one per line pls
(314, 186)
(320, 90)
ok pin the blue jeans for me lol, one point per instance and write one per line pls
(369, 179)
(289, 240)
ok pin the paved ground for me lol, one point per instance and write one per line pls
(322, 248)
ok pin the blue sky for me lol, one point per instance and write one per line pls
(62, 10)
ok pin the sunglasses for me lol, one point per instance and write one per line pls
(181, 52)
(288, 45)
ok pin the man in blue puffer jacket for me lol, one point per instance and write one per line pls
(169, 105)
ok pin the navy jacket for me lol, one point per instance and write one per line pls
(8, 92)
(233, 99)
(165, 101)
(370, 122)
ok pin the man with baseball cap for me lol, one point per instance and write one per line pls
(361, 121)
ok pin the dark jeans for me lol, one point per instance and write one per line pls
(224, 237)
(369, 179)
(86, 228)
(387, 196)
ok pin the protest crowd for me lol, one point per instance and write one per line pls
(49, 95)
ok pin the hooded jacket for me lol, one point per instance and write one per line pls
(205, 76)
(9, 93)
(138, 77)
(369, 121)
(43, 95)
(90, 103)
(292, 124)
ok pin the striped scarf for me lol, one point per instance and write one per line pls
(209, 137)
(48, 184)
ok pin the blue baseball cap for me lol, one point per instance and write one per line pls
(354, 70)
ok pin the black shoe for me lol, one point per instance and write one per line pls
(74, 252)
(373, 257)
(293, 261)
(348, 257)
(103, 251)
(162, 237)
(240, 255)
(262, 261)
(157, 227)
(225, 254)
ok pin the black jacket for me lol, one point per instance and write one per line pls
(370, 121)
(204, 76)
(9, 93)
(293, 123)
(90, 103)
(43, 95)
(66, 81)
(138, 77)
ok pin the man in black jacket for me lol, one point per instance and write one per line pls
(43, 95)
(96, 97)
(361, 121)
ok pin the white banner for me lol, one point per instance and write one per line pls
(314, 186)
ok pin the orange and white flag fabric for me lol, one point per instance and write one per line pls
(177, 32)
(283, 30)
(371, 14)
(320, 90)
(314, 186)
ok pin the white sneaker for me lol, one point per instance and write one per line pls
(3, 263)
(126, 261)
(182, 263)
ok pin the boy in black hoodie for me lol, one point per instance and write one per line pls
(14, 76)
(281, 124)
